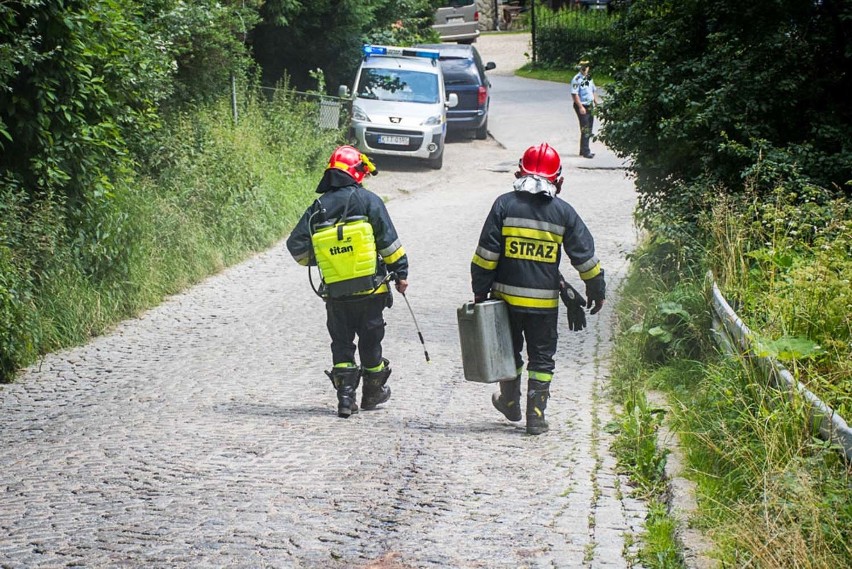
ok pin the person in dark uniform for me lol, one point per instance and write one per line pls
(348, 233)
(517, 260)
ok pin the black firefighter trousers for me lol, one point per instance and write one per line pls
(539, 330)
(346, 318)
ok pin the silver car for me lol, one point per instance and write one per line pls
(399, 105)
(458, 21)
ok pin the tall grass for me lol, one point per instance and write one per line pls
(787, 266)
(770, 493)
(207, 194)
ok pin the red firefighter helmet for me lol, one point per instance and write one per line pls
(352, 161)
(541, 160)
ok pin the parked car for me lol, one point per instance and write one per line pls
(464, 76)
(457, 21)
(399, 105)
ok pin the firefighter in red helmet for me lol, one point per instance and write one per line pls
(349, 235)
(517, 260)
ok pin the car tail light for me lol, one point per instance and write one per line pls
(476, 16)
(481, 95)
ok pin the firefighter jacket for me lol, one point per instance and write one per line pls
(520, 247)
(341, 193)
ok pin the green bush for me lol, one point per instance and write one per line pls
(784, 262)
(297, 37)
(708, 94)
(215, 193)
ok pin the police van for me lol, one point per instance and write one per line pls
(399, 103)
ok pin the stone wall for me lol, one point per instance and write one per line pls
(487, 10)
(486, 14)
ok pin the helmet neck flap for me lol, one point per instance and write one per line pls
(536, 185)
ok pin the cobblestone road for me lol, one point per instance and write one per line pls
(204, 434)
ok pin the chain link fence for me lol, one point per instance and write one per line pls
(328, 112)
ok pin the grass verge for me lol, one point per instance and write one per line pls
(557, 74)
(769, 493)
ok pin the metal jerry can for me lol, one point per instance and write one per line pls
(486, 342)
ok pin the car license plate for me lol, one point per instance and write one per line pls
(455, 20)
(395, 140)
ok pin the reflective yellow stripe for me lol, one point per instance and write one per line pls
(394, 257)
(531, 234)
(540, 375)
(303, 258)
(487, 265)
(381, 289)
(526, 292)
(346, 365)
(591, 273)
(587, 266)
(526, 301)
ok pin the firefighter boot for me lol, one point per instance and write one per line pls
(537, 394)
(375, 390)
(345, 381)
(508, 401)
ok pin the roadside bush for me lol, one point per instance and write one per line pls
(671, 322)
(215, 193)
(206, 42)
(691, 108)
(222, 190)
(297, 37)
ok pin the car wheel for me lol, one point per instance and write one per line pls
(436, 163)
(482, 132)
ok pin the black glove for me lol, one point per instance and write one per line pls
(575, 303)
(482, 297)
(596, 291)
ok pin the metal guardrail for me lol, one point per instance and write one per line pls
(735, 337)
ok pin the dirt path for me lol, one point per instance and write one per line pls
(204, 434)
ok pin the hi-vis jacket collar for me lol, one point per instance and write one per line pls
(533, 184)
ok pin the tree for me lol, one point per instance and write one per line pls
(711, 91)
(296, 38)
(206, 42)
(83, 76)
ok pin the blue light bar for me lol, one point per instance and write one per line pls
(399, 51)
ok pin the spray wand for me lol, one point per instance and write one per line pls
(425, 353)
(419, 334)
